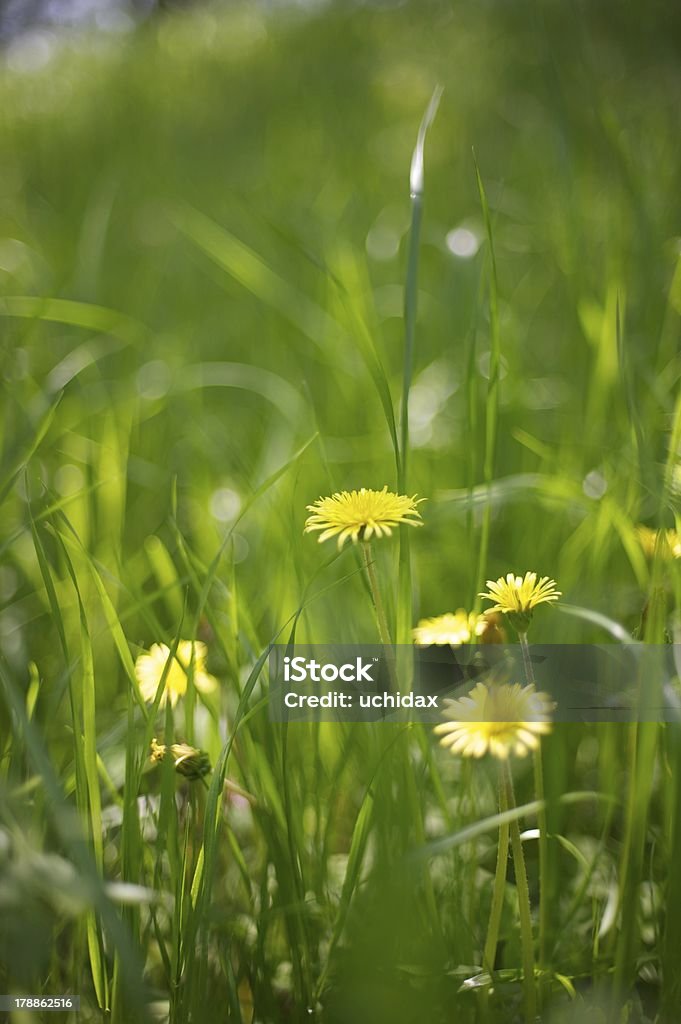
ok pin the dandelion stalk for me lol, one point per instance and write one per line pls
(517, 597)
(502, 720)
(490, 950)
(370, 567)
(527, 657)
(526, 941)
(541, 818)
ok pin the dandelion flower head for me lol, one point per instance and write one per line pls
(452, 628)
(360, 515)
(190, 655)
(518, 596)
(499, 720)
(189, 761)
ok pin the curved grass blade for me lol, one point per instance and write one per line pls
(597, 619)
(489, 824)
(516, 487)
(270, 386)
(76, 314)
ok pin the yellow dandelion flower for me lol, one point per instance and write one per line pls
(149, 669)
(518, 596)
(668, 542)
(452, 628)
(359, 515)
(499, 720)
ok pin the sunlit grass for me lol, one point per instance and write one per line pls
(218, 302)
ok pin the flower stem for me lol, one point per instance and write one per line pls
(369, 565)
(541, 822)
(523, 906)
(527, 659)
(490, 950)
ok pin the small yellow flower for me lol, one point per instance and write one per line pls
(668, 542)
(518, 596)
(361, 514)
(493, 631)
(453, 629)
(499, 720)
(149, 669)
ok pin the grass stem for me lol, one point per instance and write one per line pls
(492, 398)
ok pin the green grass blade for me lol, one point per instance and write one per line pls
(492, 399)
(76, 314)
(250, 270)
(403, 623)
(416, 192)
(31, 449)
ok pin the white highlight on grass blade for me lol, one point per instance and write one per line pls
(13, 254)
(69, 479)
(225, 504)
(429, 395)
(530, 833)
(130, 894)
(240, 548)
(485, 362)
(385, 234)
(9, 581)
(72, 364)
(382, 243)
(598, 619)
(153, 380)
(416, 172)
(594, 484)
(462, 242)
(610, 912)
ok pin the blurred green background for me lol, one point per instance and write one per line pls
(293, 132)
(202, 220)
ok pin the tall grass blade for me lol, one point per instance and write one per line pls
(492, 399)
(402, 632)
